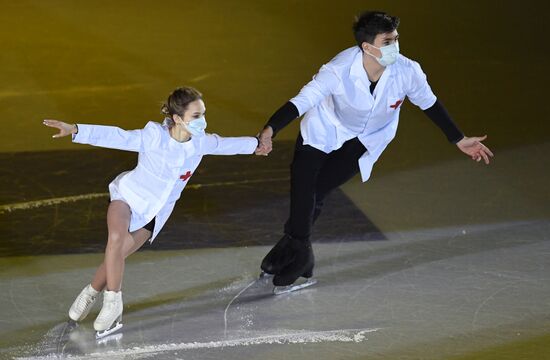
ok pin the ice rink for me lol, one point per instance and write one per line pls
(435, 257)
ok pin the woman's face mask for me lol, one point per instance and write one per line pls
(196, 127)
(389, 54)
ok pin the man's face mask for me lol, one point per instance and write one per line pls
(389, 54)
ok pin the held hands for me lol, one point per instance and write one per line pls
(64, 128)
(473, 147)
(265, 143)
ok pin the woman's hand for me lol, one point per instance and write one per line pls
(265, 143)
(474, 148)
(64, 128)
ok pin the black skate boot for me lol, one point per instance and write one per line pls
(278, 257)
(309, 272)
(302, 263)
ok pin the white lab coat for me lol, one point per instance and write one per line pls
(163, 169)
(338, 105)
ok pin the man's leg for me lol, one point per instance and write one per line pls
(341, 166)
(303, 172)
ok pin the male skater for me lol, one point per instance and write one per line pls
(351, 112)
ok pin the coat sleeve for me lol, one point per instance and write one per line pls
(113, 137)
(213, 144)
(419, 91)
(322, 85)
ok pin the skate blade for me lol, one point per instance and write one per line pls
(264, 275)
(110, 338)
(71, 325)
(279, 290)
(102, 334)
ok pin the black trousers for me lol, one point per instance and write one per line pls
(313, 175)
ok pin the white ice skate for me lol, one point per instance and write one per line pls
(279, 290)
(109, 319)
(83, 303)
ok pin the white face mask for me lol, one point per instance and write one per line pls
(196, 127)
(389, 54)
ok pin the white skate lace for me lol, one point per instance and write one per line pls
(84, 302)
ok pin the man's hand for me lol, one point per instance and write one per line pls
(265, 144)
(475, 149)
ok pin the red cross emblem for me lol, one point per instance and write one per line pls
(186, 176)
(396, 105)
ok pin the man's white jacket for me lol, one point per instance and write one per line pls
(339, 106)
(163, 169)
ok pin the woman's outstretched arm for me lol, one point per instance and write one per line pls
(99, 135)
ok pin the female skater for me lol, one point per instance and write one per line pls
(143, 198)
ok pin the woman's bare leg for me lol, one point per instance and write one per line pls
(139, 238)
(120, 244)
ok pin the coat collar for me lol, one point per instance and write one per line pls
(361, 79)
(357, 71)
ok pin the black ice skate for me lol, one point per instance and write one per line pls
(293, 259)
(278, 257)
(301, 265)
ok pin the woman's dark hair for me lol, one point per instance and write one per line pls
(178, 100)
(371, 23)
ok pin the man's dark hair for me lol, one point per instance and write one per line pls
(371, 23)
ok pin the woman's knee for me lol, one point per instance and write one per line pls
(117, 238)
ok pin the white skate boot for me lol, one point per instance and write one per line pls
(83, 303)
(109, 319)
